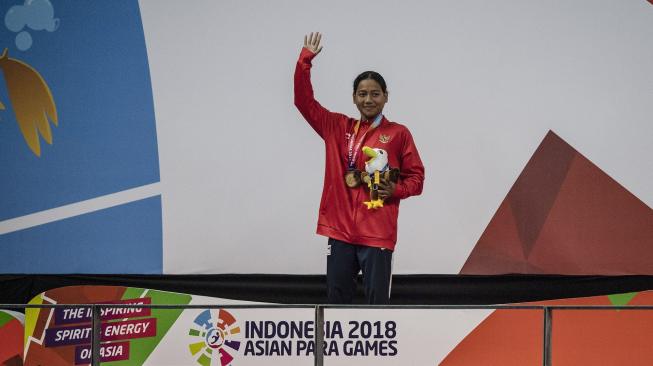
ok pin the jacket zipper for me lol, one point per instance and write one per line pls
(358, 192)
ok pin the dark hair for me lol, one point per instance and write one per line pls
(370, 75)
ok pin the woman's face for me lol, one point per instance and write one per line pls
(370, 98)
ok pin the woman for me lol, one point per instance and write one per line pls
(359, 238)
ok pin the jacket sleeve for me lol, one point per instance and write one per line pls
(411, 175)
(322, 120)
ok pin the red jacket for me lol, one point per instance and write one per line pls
(343, 215)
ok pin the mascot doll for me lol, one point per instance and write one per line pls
(377, 168)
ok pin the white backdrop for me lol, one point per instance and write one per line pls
(478, 83)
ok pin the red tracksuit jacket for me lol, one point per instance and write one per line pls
(343, 215)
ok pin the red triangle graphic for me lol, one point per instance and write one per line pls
(499, 246)
(571, 218)
(535, 190)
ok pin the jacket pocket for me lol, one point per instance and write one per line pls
(378, 223)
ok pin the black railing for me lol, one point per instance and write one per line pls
(547, 310)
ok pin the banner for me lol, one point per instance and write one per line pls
(264, 336)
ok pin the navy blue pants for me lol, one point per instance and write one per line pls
(345, 260)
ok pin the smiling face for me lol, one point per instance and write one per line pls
(370, 98)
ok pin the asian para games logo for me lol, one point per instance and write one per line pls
(214, 333)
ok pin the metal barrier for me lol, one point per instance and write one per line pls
(548, 311)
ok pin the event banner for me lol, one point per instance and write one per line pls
(229, 335)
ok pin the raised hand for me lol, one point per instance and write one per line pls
(312, 42)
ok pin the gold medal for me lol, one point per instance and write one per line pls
(353, 178)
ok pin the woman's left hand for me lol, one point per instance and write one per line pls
(386, 189)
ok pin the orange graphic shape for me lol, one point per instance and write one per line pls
(11, 335)
(579, 337)
(31, 99)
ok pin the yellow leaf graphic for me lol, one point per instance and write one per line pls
(31, 99)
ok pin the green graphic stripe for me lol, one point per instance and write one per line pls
(621, 299)
(196, 347)
(5, 318)
(140, 349)
(204, 360)
(133, 293)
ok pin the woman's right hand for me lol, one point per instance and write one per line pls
(312, 42)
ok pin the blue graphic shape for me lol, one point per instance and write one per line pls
(204, 319)
(15, 18)
(36, 14)
(121, 239)
(23, 41)
(96, 67)
(232, 344)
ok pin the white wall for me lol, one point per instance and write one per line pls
(478, 83)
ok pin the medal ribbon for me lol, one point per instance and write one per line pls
(352, 151)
